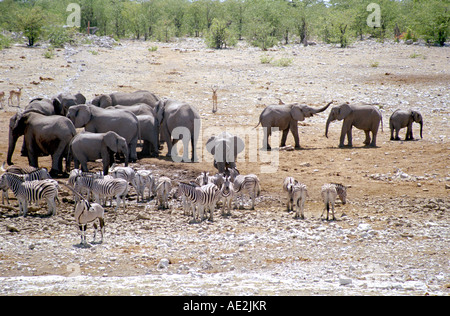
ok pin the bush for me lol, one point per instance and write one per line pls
(58, 36)
(219, 36)
(5, 41)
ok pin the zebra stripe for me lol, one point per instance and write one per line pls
(204, 197)
(227, 191)
(162, 192)
(299, 193)
(32, 191)
(83, 181)
(109, 188)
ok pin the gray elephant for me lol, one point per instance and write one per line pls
(285, 117)
(362, 116)
(88, 146)
(137, 109)
(405, 118)
(43, 135)
(149, 130)
(225, 147)
(98, 120)
(123, 98)
(59, 105)
(178, 120)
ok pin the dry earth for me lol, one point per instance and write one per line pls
(391, 238)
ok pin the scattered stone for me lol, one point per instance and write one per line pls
(11, 229)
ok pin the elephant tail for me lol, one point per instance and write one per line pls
(257, 125)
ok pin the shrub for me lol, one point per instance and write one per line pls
(30, 22)
(219, 36)
(5, 41)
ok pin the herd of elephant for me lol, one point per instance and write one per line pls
(114, 123)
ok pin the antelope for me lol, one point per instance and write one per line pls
(214, 99)
(13, 93)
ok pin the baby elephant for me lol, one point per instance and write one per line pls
(404, 118)
(88, 146)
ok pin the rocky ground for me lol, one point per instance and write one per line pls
(391, 238)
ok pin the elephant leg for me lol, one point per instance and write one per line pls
(397, 130)
(194, 150)
(374, 139)
(294, 131)
(367, 140)
(267, 132)
(133, 154)
(409, 133)
(284, 137)
(57, 159)
(349, 138)
(185, 141)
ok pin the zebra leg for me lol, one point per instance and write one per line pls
(211, 213)
(102, 227)
(332, 210)
(51, 206)
(302, 203)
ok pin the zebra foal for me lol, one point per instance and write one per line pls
(32, 191)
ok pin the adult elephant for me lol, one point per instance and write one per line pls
(362, 116)
(225, 147)
(178, 120)
(88, 146)
(149, 130)
(98, 120)
(43, 135)
(123, 98)
(58, 105)
(137, 109)
(405, 118)
(285, 118)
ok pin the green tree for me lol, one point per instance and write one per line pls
(219, 35)
(31, 22)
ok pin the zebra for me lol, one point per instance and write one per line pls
(110, 187)
(27, 173)
(329, 194)
(202, 197)
(227, 192)
(32, 191)
(126, 173)
(83, 181)
(186, 191)
(204, 178)
(249, 183)
(143, 179)
(341, 191)
(162, 192)
(299, 194)
(287, 184)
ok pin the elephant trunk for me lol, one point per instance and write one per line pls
(323, 109)
(327, 126)
(11, 146)
(421, 128)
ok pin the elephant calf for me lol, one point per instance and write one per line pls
(361, 116)
(88, 146)
(404, 118)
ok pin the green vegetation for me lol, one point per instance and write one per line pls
(263, 23)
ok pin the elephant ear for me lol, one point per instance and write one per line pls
(105, 101)
(111, 141)
(343, 111)
(297, 112)
(57, 106)
(159, 109)
(80, 115)
(81, 99)
(211, 145)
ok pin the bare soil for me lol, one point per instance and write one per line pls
(391, 238)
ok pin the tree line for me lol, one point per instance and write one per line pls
(263, 23)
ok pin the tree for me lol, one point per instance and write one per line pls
(219, 35)
(30, 21)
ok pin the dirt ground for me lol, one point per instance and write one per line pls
(391, 238)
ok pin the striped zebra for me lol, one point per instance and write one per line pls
(143, 179)
(297, 194)
(162, 192)
(126, 173)
(227, 192)
(203, 198)
(248, 183)
(110, 187)
(329, 195)
(287, 184)
(32, 191)
(186, 191)
(83, 182)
